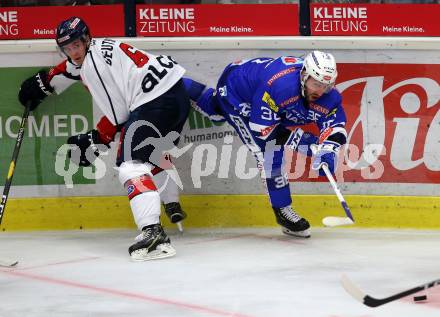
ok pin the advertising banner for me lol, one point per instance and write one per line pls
(375, 19)
(47, 130)
(217, 20)
(393, 124)
(41, 22)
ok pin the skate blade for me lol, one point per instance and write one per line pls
(179, 226)
(299, 234)
(164, 250)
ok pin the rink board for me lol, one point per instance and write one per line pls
(220, 211)
(387, 103)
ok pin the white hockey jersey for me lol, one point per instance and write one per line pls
(119, 77)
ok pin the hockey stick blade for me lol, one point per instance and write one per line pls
(336, 221)
(8, 263)
(369, 301)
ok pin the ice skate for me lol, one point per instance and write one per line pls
(175, 213)
(292, 224)
(153, 244)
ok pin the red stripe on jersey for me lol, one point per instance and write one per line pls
(106, 130)
(156, 170)
(139, 185)
(60, 69)
(325, 134)
(121, 138)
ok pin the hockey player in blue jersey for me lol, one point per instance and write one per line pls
(263, 97)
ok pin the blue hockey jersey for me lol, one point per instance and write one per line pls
(267, 91)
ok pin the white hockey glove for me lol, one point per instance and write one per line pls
(326, 153)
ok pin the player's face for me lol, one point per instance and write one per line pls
(76, 50)
(315, 89)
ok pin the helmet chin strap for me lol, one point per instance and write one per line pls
(72, 62)
(304, 77)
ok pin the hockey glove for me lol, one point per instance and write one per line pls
(35, 89)
(87, 147)
(297, 140)
(326, 153)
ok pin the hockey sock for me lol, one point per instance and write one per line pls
(144, 200)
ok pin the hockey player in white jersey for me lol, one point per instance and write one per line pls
(140, 94)
(168, 189)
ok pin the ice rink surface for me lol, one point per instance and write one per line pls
(221, 272)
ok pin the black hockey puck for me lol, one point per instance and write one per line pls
(420, 298)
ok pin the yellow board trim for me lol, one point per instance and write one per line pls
(220, 211)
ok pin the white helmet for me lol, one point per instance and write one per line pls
(321, 66)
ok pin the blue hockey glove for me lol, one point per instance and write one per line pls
(326, 153)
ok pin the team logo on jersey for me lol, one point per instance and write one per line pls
(223, 91)
(319, 108)
(289, 60)
(270, 102)
(280, 74)
(130, 189)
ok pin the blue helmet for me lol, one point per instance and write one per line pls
(70, 30)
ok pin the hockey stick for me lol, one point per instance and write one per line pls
(4, 263)
(14, 161)
(11, 172)
(334, 221)
(369, 301)
(337, 221)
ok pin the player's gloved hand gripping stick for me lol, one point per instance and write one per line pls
(332, 221)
